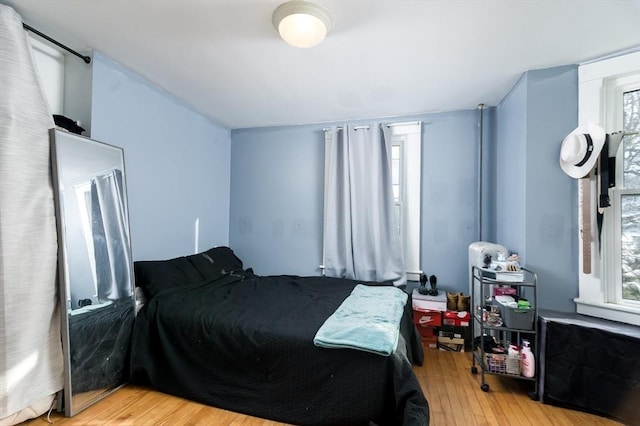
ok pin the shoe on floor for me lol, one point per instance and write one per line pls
(452, 301)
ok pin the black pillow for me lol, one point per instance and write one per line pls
(153, 276)
(216, 262)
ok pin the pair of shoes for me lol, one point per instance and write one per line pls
(457, 302)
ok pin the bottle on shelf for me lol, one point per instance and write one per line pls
(514, 350)
(528, 360)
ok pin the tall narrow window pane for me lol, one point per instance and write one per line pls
(630, 239)
(631, 119)
(395, 171)
(630, 208)
(631, 142)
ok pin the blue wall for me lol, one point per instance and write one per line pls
(449, 196)
(177, 162)
(277, 198)
(551, 195)
(535, 200)
(261, 190)
(277, 184)
(528, 203)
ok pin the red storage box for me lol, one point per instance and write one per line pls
(504, 291)
(426, 318)
(428, 336)
(458, 319)
(427, 333)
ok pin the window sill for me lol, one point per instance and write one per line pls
(609, 311)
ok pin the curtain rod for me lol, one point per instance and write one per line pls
(326, 129)
(86, 59)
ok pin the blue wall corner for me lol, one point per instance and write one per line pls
(535, 200)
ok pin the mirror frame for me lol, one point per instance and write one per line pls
(70, 403)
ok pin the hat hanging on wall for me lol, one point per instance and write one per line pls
(580, 150)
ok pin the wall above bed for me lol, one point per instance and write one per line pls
(177, 163)
(277, 187)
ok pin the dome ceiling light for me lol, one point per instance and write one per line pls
(302, 23)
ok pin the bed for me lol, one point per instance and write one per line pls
(214, 332)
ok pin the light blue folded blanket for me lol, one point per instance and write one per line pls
(367, 320)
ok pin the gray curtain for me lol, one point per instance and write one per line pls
(361, 238)
(110, 238)
(30, 348)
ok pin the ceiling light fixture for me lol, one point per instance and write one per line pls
(302, 23)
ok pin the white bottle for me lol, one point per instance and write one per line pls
(528, 361)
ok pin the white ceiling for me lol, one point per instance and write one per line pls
(383, 58)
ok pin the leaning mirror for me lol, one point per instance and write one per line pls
(94, 265)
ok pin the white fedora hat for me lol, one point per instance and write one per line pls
(580, 150)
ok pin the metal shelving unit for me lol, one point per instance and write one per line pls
(491, 363)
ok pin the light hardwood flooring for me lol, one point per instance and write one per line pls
(454, 396)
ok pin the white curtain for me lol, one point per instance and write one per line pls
(361, 238)
(30, 347)
(110, 237)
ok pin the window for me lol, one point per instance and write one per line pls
(404, 142)
(83, 198)
(610, 96)
(50, 65)
(396, 167)
(406, 177)
(623, 262)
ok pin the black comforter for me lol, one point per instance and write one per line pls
(245, 343)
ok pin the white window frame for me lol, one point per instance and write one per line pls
(409, 137)
(50, 63)
(614, 91)
(600, 85)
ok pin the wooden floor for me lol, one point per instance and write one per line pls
(453, 393)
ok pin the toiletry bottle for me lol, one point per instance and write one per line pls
(528, 361)
(514, 350)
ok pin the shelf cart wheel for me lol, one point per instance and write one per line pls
(533, 395)
(484, 387)
(474, 370)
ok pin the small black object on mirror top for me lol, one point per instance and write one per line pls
(68, 124)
